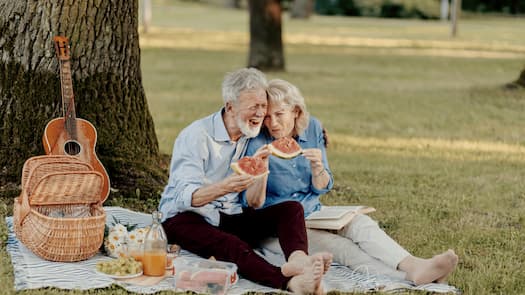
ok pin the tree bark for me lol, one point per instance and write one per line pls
(107, 82)
(266, 44)
(301, 9)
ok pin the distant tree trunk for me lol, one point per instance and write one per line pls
(146, 15)
(301, 8)
(455, 15)
(107, 82)
(266, 44)
(521, 79)
(519, 83)
(444, 9)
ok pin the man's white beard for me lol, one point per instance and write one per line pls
(246, 129)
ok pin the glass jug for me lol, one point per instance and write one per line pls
(155, 245)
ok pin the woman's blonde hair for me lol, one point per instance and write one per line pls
(284, 92)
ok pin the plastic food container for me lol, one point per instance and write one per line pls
(204, 276)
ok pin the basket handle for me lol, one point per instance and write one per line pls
(24, 207)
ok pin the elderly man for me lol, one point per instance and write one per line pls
(200, 203)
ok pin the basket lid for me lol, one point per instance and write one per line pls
(79, 187)
(66, 177)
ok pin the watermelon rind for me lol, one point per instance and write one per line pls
(283, 155)
(237, 169)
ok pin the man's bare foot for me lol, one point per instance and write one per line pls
(299, 260)
(309, 281)
(433, 269)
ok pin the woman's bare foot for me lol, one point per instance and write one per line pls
(299, 260)
(327, 260)
(443, 279)
(424, 271)
(309, 281)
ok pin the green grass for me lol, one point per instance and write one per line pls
(419, 124)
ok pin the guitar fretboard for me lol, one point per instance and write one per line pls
(68, 103)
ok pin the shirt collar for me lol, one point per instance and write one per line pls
(219, 129)
(302, 136)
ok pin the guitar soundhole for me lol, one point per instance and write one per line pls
(72, 148)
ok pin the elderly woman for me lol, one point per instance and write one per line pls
(361, 245)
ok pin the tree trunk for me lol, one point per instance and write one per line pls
(107, 83)
(301, 8)
(455, 15)
(518, 84)
(521, 79)
(266, 44)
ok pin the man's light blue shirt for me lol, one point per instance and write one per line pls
(291, 180)
(202, 155)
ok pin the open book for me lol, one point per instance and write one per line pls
(335, 217)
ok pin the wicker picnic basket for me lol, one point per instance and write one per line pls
(59, 214)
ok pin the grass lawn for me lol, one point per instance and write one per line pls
(420, 126)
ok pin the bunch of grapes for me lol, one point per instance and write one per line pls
(122, 266)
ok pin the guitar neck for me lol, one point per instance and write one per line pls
(68, 102)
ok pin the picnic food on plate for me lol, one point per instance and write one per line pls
(285, 148)
(250, 165)
(122, 266)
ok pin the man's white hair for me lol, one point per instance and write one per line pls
(243, 79)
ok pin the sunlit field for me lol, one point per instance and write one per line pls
(420, 125)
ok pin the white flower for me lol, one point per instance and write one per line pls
(137, 236)
(113, 248)
(115, 236)
(120, 229)
(119, 240)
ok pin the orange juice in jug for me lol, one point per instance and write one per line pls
(154, 263)
(155, 248)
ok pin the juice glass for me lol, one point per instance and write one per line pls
(173, 252)
(136, 251)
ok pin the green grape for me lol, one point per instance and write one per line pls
(121, 266)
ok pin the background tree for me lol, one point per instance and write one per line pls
(521, 79)
(107, 82)
(266, 44)
(519, 83)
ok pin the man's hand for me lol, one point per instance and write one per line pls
(237, 183)
(232, 183)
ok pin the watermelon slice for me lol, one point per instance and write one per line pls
(250, 165)
(285, 148)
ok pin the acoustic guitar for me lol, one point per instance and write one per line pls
(69, 135)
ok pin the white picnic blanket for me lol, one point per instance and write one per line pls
(32, 272)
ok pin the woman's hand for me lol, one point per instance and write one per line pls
(320, 178)
(263, 153)
(315, 156)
